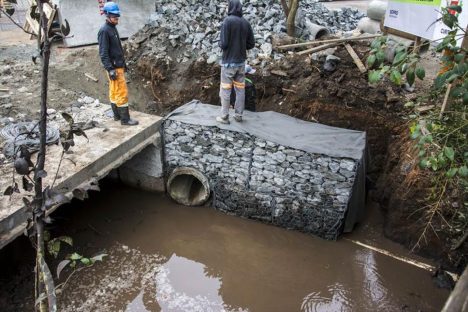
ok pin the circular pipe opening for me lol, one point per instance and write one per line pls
(188, 186)
(321, 33)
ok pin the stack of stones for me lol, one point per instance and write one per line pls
(195, 25)
(262, 180)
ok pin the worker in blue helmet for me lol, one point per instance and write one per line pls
(113, 60)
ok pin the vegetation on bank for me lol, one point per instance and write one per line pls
(438, 128)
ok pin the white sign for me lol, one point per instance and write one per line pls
(418, 17)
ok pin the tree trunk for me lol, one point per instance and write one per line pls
(291, 21)
(42, 271)
(284, 4)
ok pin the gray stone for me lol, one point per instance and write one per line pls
(347, 165)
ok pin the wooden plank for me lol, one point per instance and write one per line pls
(319, 48)
(356, 58)
(304, 44)
(91, 77)
(4, 90)
(279, 73)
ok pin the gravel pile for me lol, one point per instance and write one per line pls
(195, 24)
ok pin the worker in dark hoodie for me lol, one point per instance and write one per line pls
(236, 38)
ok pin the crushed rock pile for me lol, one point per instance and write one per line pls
(195, 25)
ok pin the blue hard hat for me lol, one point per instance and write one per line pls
(111, 8)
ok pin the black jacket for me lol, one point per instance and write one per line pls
(236, 35)
(110, 47)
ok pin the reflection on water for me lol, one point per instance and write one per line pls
(372, 285)
(184, 285)
(165, 257)
(336, 299)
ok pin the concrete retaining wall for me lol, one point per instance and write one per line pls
(258, 179)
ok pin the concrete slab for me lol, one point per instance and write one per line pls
(85, 19)
(107, 148)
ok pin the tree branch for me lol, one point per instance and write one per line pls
(14, 22)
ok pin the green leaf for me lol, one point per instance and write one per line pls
(75, 256)
(449, 20)
(66, 239)
(374, 76)
(380, 57)
(456, 8)
(371, 60)
(452, 78)
(463, 171)
(68, 118)
(409, 104)
(449, 152)
(420, 73)
(410, 77)
(53, 247)
(395, 77)
(376, 43)
(465, 98)
(433, 163)
(399, 57)
(424, 163)
(457, 92)
(85, 261)
(99, 257)
(441, 160)
(452, 172)
(439, 82)
(459, 57)
(404, 67)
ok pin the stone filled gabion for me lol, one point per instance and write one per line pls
(261, 180)
(195, 24)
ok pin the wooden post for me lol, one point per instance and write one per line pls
(417, 44)
(444, 104)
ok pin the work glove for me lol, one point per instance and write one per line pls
(112, 74)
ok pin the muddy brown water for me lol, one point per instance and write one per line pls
(167, 257)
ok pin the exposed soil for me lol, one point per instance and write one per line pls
(296, 86)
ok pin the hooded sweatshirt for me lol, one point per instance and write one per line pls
(236, 35)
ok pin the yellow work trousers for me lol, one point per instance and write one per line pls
(118, 91)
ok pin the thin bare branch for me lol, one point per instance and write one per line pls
(14, 22)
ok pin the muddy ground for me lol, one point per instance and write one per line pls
(296, 86)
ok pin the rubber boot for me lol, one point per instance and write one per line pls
(125, 117)
(115, 111)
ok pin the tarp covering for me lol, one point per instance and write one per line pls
(281, 129)
(85, 19)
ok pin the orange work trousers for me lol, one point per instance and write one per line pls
(118, 91)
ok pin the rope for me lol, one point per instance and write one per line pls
(26, 134)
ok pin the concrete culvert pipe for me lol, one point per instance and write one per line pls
(188, 186)
(316, 31)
